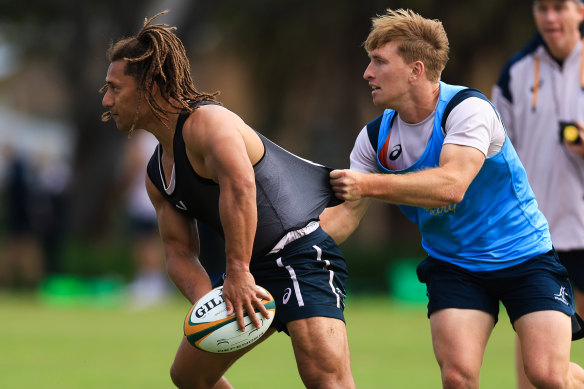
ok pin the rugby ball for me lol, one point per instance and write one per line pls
(209, 328)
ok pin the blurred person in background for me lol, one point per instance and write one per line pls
(150, 284)
(53, 174)
(440, 152)
(540, 97)
(21, 258)
(263, 200)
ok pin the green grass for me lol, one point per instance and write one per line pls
(48, 346)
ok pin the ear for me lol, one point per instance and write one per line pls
(581, 11)
(418, 69)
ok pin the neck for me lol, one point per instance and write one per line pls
(561, 53)
(421, 104)
(163, 129)
(164, 132)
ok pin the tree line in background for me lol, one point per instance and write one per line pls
(293, 69)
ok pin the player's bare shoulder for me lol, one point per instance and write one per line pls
(207, 122)
(210, 125)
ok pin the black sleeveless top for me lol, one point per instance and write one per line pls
(290, 191)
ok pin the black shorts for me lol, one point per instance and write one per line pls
(538, 284)
(307, 278)
(574, 261)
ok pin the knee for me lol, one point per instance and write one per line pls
(547, 379)
(194, 379)
(182, 380)
(177, 379)
(328, 382)
(459, 377)
(323, 378)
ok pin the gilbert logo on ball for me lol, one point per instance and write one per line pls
(208, 328)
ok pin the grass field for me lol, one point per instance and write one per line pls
(70, 347)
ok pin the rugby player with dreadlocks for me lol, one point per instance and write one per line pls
(211, 166)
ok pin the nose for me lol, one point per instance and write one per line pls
(107, 101)
(368, 74)
(549, 15)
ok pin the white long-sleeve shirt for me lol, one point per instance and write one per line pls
(556, 175)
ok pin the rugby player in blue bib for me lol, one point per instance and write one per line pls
(441, 153)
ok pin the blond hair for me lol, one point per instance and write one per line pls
(417, 38)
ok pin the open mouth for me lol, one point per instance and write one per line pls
(550, 31)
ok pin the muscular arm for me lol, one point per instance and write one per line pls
(226, 161)
(181, 247)
(435, 187)
(340, 221)
(220, 147)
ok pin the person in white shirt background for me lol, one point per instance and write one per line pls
(540, 96)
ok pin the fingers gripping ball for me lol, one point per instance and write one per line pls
(208, 328)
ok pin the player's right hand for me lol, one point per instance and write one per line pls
(242, 296)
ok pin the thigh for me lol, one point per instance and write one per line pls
(196, 368)
(545, 338)
(459, 338)
(321, 349)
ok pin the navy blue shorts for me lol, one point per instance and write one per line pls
(574, 261)
(307, 278)
(538, 284)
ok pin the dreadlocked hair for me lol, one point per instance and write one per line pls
(156, 55)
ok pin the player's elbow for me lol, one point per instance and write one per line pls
(456, 197)
(454, 194)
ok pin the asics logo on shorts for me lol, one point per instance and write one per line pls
(562, 296)
(287, 296)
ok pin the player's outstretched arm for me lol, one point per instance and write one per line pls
(435, 187)
(340, 221)
(219, 145)
(181, 247)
